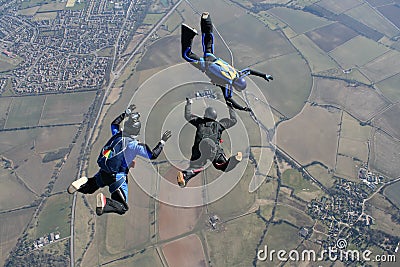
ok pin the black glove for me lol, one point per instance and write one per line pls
(229, 104)
(247, 109)
(166, 135)
(268, 77)
(129, 110)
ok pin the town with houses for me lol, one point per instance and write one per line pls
(72, 51)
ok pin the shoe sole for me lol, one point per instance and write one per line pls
(187, 26)
(77, 184)
(100, 203)
(239, 156)
(181, 180)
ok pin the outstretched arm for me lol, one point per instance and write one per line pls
(115, 124)
(248, 71)
(188, 111)
(145, 151)
(229, 122)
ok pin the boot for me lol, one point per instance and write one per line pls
(205, 23)
(107, 205)
(77, 184)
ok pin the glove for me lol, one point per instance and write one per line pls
(188, 101)
(247, 109)
(166, 136)
(129, 110)
(268, 77)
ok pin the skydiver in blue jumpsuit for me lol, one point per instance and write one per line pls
(221, 73)
(118, 182)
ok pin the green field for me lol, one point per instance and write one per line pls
(55, 216)
(235, 246)
(11, 229)
(392, 192)
(353, 148)
(237, 201)
(357, 52)
(367, 15)
(173, 22)
(383, 67)
(302, 187)
(282, 236)
(389, 87)
(11, 189)
(292, 215)
(25, 111)
(322, 175)
(7, 64)
(286, 93)
(316, 58)
(152, 18)
(73, 104)
(298, 20)
(347, 168)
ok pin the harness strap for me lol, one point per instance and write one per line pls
(120, 179)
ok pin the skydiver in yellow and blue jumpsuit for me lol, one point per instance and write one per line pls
(220, 72)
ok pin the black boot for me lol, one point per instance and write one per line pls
(205, 23)
(107, 205)
(187, 35)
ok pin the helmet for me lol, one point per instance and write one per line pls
(210, 113)
(132, 125)
(239, 84)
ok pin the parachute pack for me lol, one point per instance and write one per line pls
(211, 130)
(112, 154)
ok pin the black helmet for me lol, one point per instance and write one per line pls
(210, 113)
(132, 125)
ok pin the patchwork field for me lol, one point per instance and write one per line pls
(351, 129)
(331, 36)
(316, 58)
(339, 6)
(55, 216)
(11, 227)
(383, 67)
(385, 156)
(298, 20)
(318, 139)
(73, 104)
(354, 149)
(368, 16)
(357, 52)
(391, 12)
(187, 251)
(302, 188)
(392, 192)
(360, 102)
(389, 121)
(322, 175)
(292, 215)
(286, 93)
(11, 188)
(4, 109)
(229, 248)
(25, 111)
(249, 47)
(347, 168)
(389, 87)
